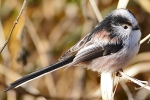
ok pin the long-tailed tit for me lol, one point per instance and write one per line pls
(110, 46)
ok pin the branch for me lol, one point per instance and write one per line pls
(122, 3)
(146, 38)
(15, 23)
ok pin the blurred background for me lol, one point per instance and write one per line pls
(46, 29)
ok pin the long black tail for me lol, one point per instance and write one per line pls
(40, 73)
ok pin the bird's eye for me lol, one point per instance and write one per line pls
(125, 26)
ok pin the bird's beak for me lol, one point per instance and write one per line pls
(136, 27)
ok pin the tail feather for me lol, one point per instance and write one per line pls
(40, 73)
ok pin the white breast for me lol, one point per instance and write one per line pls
(117, 60)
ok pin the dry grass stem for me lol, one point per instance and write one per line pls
(43, 57)
(128, 92)
(142, 93)
(84, 9)
(107, 86)
(96, 10)
(122, 3)
(135, 69)
(146, 38)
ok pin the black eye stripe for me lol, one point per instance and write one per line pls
(107, 23)
(119, 20)
(124, 22)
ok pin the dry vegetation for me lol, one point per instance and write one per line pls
(46, 29)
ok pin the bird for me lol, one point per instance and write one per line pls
(109, 47)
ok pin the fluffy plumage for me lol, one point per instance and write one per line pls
(110, 46)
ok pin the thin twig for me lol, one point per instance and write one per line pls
(146, 38)
(143, 84)
(96, 10)
(15, 23)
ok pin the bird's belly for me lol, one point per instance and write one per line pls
(112, 62)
